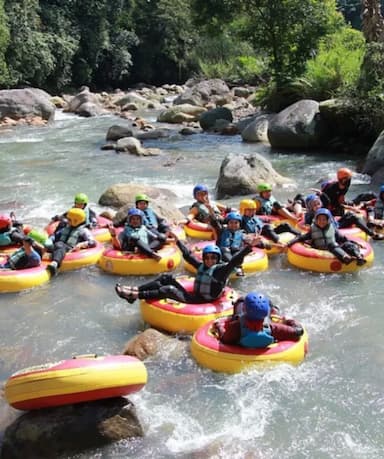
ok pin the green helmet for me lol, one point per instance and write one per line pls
(264, 187)
(81, 198)
(38, 236)
(141, 197)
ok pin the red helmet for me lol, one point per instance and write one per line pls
(5, 221)
(344, 173)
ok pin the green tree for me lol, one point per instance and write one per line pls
(4, 40)
(167, 37)
(285, 31)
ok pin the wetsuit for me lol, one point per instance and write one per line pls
(166, 286)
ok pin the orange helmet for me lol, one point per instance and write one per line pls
(344, 173)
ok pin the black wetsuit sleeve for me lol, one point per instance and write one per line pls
(301, 238)
(187, 255)
(223, 271)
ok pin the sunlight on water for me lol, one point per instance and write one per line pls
(330, 406)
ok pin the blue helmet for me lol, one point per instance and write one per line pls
(198, 188)
(211, 248)
(256, 306)
(233, 216)
(382, 189)
(324, 211)
(310, 198)
(134, 211)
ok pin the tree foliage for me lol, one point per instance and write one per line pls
(4, 39)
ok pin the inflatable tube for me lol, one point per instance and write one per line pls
(81, 379)
(100, 232)
(351, 232)
(177, 317)
(137, 264)
(305, 257)
(198, 230)
(209, 352)
(8, 249)
(79, 259)
(22, 279)
(283, 238)
(256, 261)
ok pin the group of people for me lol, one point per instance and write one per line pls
(72, 234)
(236, 232)
(325, 211)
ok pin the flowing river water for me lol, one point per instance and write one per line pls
(331, 406)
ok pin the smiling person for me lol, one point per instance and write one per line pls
(211, 278)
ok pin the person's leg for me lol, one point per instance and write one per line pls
(146, 249)
(286, 228)
(269, 232)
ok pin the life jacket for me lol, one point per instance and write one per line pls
(379, 209)
(150, 218)
(203, 281)
(30, 261)
(71, 235)
(251, 224)
(254, 335)
(5, 239)
(135, 233)
(231, 239)
(203, 214)
(266, 205)
(322, 238)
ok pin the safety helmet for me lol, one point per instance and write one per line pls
(141, 197)
(264, 187)
(5, 221)
(233, 216)
(247, 204)
(81, 198)
(133, 211)
(256, 306)
(344, 173)
(76, 216)
(38, 236)
(198, 188)
(381, 189)
(323, 211)
(308, 200)
(211, 248)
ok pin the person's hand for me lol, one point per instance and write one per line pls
(173, 235)
(112, 230)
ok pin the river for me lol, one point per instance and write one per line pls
(331, 406)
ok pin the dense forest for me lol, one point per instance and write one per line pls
(315, 46)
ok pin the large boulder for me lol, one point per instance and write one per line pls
(375, 158)
(240, 175)
(209, 118)
(85, 103)
(180, 114)
(203, 92)
(298, 126)
(26, 103)
(117, 132)
(122, 196)
(146, 344)
(70, 429)
(257, 129)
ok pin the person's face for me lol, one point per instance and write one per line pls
(344, 182)
(316, 204)
(135, 221)
(142, 205)
(249, 212)
(210, 259)
(321, 221)
(79, 205)
(233, 225)
(202, 196)
(266, 194)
